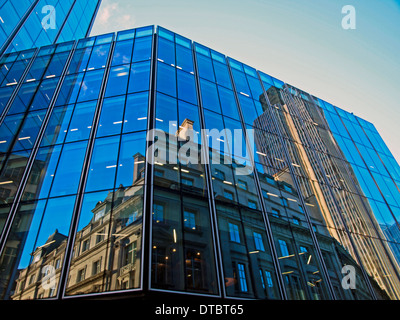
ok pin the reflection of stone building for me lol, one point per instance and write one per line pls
(106, 251)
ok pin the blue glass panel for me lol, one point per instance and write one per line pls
(91, 86)
(70, 89)
(126, 35)
(255, 87)
(166, 111)
(142, 49)
(164, 33)
(248, 109)
(205, 68)
(57, 127)
(222, 75)
(166, 51)
(98, 59)
(184, 59)
(144, 31)
(241, 83)
(190, 112)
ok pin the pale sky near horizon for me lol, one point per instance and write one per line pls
(300, 42)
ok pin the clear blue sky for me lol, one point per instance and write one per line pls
(301, 42)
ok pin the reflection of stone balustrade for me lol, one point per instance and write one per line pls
(126, 269)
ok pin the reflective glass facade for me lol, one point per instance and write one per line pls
(26, 24)
(144, 161)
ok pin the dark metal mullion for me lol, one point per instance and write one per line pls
(83, 180)
(205, 153)
(347, 164)
(336, 204)
(263, 211)
(301, 196)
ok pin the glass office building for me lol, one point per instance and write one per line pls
(26, 24)
(144, 162)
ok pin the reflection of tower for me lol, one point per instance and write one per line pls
(184, 129)
(336, 203)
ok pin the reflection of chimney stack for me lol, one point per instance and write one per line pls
(138, 165)
(183, 128)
